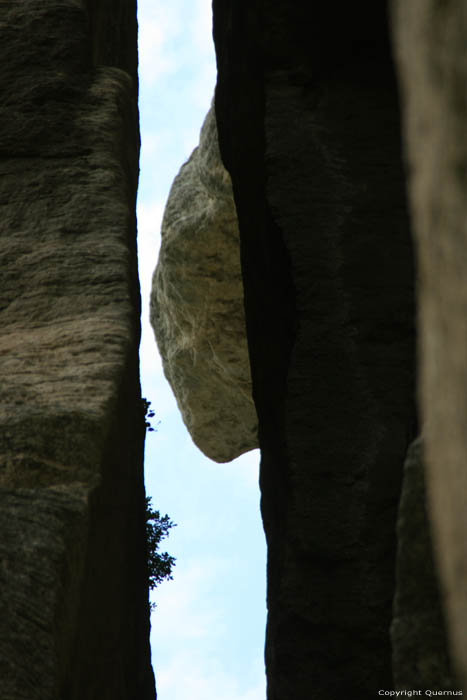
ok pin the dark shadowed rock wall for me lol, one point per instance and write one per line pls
(420, 649)
(308, 121)
(73, 585)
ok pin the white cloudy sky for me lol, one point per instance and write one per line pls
(208, 629)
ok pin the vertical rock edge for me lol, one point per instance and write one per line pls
(329, 506)
(75, 614)
(430, 47)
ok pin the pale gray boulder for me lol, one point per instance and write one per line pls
(197, 306)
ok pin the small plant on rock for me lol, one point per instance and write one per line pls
(148, 416)
(160, 565)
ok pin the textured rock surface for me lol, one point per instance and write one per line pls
(73, 587)
(431, 47)
(197, 306)
(309, 130)
(420, 652)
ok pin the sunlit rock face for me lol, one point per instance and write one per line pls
(197, 306)
(431, 50)
(74, 615)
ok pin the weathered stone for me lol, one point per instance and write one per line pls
(197, 306)
(420, 651)
(73, 578)
(308, 121)
(430, 39)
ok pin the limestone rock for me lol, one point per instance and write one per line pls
(309, 130)
(420, 650)
(197, 306)
(73, 581)
(430, 41)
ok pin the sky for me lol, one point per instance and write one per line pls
(208, 628)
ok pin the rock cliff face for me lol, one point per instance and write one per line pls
(197, 306)
(309, 113)
(420, 649)
(430, 40)
(308, 122)
(73, 581)
(308, 117)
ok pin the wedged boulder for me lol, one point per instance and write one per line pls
(197, 306)
(420, 650)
